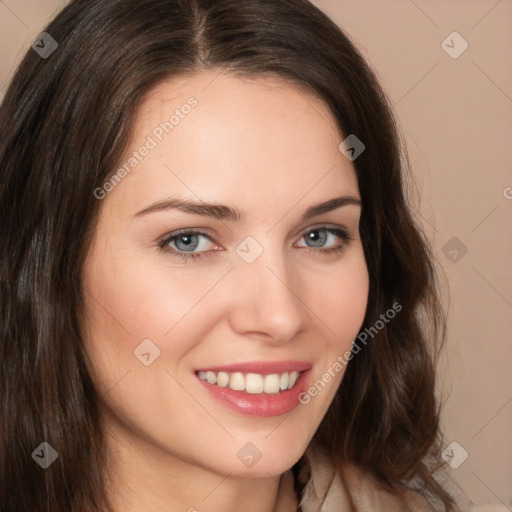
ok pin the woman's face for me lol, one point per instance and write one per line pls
(249, 300)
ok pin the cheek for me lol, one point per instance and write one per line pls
(131, 299)
(340, 301)
(339, 297)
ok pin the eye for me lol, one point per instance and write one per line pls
(321, 235)
(183, 243)
(190, 245)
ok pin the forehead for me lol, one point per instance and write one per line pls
(247, 140)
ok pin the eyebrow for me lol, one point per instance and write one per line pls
(223, 212)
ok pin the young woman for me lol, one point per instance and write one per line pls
(214, 296)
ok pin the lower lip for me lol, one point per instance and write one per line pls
(260, 404)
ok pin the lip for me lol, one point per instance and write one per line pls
(262, 405)
(261, 367)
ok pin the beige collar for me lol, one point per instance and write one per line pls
(350, 490)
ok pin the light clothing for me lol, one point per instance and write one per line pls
(324, 490)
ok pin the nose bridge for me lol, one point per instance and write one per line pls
(267, 292)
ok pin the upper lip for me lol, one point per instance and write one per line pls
(261, 367)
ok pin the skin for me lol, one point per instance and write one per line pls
(269, 149)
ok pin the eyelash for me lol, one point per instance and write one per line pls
(164, 243)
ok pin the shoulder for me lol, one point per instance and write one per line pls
(349, 489)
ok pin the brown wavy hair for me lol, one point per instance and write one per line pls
(64, 124)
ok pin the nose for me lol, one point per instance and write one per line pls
(266, 299)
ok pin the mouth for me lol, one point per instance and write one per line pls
(257, 388)
(252, 383)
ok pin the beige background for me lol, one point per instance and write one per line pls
(456, 116)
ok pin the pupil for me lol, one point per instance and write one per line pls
(186, 241)
(318, 237)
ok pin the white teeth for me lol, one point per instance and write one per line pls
(293, 378)
(222, 379)
(253, 383)
(237, 381)
(211, 377)
(283, 381)
(271, 383)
